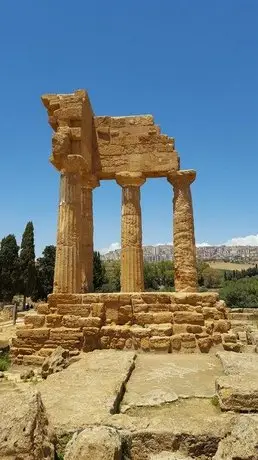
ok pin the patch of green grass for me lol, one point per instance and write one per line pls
(5, 362)
(59, 456)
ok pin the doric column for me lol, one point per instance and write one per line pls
(132, 279)
(184, 240)
(67, 264)
(88, 183)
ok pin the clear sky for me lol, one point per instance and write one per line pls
(193, 64)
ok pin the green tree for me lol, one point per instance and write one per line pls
(212, 278)
(99, 272)
(9, 274)
(27, 263)
(45, 267)
(242, 293)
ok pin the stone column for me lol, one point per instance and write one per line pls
(88, 183)
(184, 240)
(132, 279)
(67, 264)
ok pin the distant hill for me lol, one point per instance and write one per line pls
(244, 254)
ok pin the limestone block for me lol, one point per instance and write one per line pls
(72, 299)
(45, 351)
(128, 343)
(91, 331)
(229, 337)
(42, 308)
(140, 332)
(176, 342)
(112, 311)
(159, 307)
(222, 325)
(162, 317)
(54, 320)
(212, 313)
(74, 309)
(40, 333)
(65, 333)
(140, 308)
(24, 429)
(125, 314)
(228, 346)
(143, 318)
(184, 317)
(33, 360)
(116, 331)
(160, 343)
(241, 442)
(35, 320)
(97, 442)
(161, 329)
(145, 344)
(180, 328)
(188, 340)
(194, 329)
(98, 309)
(117, 343)
(105, 342)
(238, 392)
(205, 344)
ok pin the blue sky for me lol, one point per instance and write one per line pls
(193, 64)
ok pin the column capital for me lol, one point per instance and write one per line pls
(132, 179)
(181, 177)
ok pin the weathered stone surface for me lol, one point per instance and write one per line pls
(97, 442)
(159, 379)
(242, 442)
(183, 225)
(56, 362)
(188, 318)
(238, 392)
(91, 389)
(245, 363)
(170, 456)
(24, 430)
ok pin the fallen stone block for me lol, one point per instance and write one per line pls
(56, 362)
(97, 442)
(242, 442)
(24, 430)
(238, 364)
(238, 392)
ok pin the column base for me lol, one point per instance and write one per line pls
(150, 322)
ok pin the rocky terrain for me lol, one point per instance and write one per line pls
(121, 405)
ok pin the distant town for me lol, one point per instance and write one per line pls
(244, 254)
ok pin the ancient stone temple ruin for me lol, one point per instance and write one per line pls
(130, 149)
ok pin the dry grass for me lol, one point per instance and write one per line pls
(220, 265)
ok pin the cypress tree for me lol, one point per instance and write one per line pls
(45, 267)
(27, 263)
(99, 271)
(9, 274)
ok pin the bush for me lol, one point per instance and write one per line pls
(4, 362)
(242, 293)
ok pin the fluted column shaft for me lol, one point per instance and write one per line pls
(183, 228)
(67, 264)
(132, 279)
(86, 253)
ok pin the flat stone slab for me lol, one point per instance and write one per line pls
(238, 363)
(88, 390)
(238, 392)
(159, 379)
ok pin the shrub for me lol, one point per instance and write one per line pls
(4, 362)
(242, 293)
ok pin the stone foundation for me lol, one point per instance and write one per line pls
(167, 322)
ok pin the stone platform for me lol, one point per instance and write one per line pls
(167, 322)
